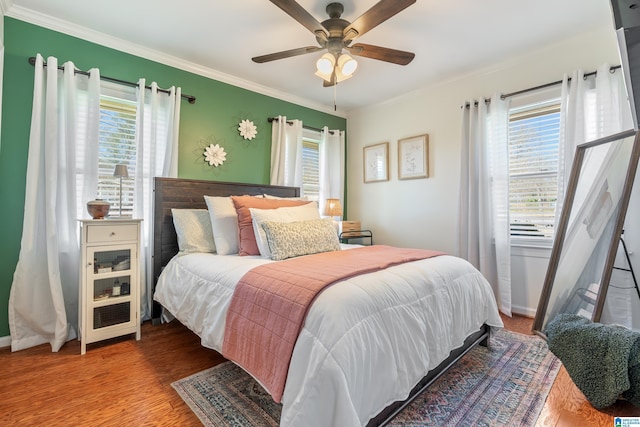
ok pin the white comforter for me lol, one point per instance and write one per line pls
(366, 341)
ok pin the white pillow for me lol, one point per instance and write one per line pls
(284, 214)
(193, 228)
(224, 224)
(269, 196)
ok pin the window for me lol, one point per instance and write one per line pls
(117, 145)
(311, 164)
(534, 133)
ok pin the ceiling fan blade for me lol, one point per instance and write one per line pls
(394, 56)
(286, 54)
(297, 12)
(373, 17)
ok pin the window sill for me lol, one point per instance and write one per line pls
(531, 248)
(532, 243)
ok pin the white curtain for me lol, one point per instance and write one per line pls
(483, 221)
(331, 165)
(590, 108)
(286, 152)
(157, 129)
(43, 303)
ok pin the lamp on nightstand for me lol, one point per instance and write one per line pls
(333, 208)
(121, 171)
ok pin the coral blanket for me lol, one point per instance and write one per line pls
(270, 303)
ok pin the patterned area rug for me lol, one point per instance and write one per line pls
(504, 385)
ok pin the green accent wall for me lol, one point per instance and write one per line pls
(213, 118)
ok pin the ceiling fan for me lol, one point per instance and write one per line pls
(336, 34)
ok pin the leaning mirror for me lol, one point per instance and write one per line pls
(589, 229)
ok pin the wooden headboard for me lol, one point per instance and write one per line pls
(178, 193)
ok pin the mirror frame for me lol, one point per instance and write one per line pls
(563, 224)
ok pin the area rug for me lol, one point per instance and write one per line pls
(503, 385)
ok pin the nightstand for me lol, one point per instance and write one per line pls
(109, 280)
(345, 236)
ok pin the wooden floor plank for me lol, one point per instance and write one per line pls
(124, 382)
(566, 405)
(118, 382)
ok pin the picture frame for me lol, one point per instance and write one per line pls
(376, 162)
(413, 157)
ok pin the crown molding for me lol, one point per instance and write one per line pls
(5, 5)
(71, 29)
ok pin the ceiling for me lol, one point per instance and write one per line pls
(219, 38)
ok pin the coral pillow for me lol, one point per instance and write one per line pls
(246, 236)
(224, 223)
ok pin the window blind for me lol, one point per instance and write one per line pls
(311, 169)
(533, 170)
(117, 145)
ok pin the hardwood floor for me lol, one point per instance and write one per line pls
(122, 382)
(566, 406)
(117, 382)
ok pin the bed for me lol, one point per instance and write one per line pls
(352, 364)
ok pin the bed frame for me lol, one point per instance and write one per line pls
(178, 193)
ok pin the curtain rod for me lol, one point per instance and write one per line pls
(612, 69)
(190, 98)
(271, 119)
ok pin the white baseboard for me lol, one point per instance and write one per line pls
(5, 341)
(523, 311)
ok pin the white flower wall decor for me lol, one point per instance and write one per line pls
(215, 155)
(247, 129)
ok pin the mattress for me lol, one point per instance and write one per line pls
(366, 340)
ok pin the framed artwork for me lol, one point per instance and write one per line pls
(376, 162)
(413, 157)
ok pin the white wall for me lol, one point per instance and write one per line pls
(423, 212)
(626, 300)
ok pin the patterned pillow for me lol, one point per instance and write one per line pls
(286, 214)
(193, 228)
(247, 244)
(292, 239)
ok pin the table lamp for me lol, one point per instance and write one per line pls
(121, 171)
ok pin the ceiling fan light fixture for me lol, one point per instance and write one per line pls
(325, 64)
(342, 77)
(323, 76)
(336, 34)
(347, 64)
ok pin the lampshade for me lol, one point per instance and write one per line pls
(326, 66)
(326, 63)
(347, 64)
(332, 207)
(121, 171)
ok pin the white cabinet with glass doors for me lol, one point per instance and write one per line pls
(109, 280)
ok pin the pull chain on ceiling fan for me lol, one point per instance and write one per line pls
(336, 34)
